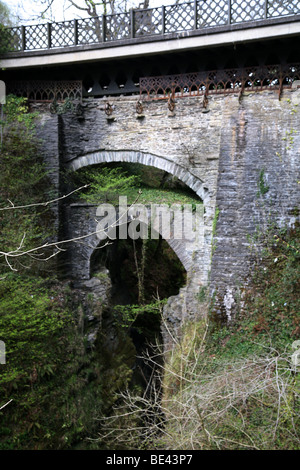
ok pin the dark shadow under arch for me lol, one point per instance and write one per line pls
(164, 273)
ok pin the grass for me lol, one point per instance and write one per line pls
(146, 185)
(161, 196)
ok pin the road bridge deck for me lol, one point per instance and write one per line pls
(148, 32)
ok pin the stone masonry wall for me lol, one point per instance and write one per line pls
(188, 138)
(47, 132)
(260, 142)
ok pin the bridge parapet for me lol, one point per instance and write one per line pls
(140, 23)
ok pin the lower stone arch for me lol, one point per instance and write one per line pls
(178, 249)
(83, 220)
(144, 158)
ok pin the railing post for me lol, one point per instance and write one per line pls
(49, 35)
(163, 19)
(23, 33)
(195, 14)
(229, 11)
(75, 32)
(103, 28)
(132, 23)
(266, 9)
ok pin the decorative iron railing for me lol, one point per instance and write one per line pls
(196, 15)
(269, 77)
(47, 90)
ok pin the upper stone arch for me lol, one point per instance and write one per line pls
(144, 158)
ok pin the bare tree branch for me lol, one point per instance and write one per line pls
(3, 406)
(44, 204)
(37, 253)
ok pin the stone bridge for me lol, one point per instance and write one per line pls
(223, 152)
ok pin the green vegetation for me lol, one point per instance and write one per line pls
(238, 380)
(23, 181)
(134, 315)
(30, 317)
(6, 20)
(50, 385)
(228, 387)
(5, 14)
(106, 184)
(214, 230)
(54, 382)
(271, 303)
(139, 183)
(263, 188)
(162, 196)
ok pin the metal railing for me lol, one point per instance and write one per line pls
(238, 80)
(47, 90)
(138, 23)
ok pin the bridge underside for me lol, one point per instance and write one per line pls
(104, 77)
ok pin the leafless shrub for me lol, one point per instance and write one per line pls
(200, 402)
